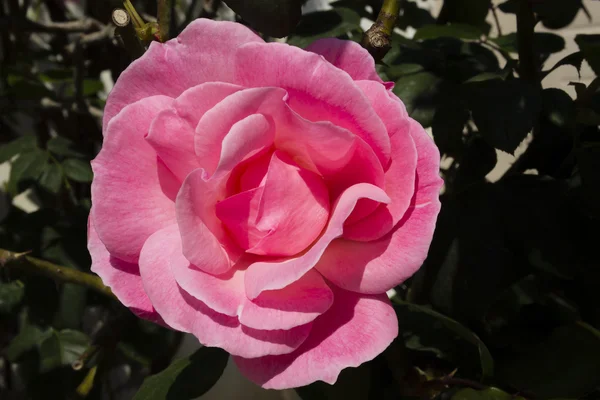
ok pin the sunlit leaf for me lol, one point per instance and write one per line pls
(186, 378)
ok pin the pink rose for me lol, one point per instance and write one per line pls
(263, 198)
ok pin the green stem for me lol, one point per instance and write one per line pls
(9, 259)
(378, 38)
(164, 18)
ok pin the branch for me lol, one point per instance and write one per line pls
(496, 20)
(27, 25)
(528, 69)
(125, 30)
(164, 18)
(9, 259)
(378, 38)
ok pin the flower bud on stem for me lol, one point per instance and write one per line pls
(378, 38)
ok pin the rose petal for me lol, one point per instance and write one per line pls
(183, 312)
(203, 52)
(400, 175)
(247, 137)
(317, 90)
(219, 122)
(293, 208)
(205, 242)
(172, 131)
(260, 276)
(294, 305)
(128, 204)
(122, 277)
(348, 56)
(239, 213)
(355, 330)
(377, 266)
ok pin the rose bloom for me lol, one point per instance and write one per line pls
(263, 198)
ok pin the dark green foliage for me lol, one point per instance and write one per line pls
(506, 304)
(187, 378)
(274, 18)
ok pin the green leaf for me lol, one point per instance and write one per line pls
(573, 59)
(28, 166)
(554, 14)
(29, 338)
(24, 88)
(427, 330)
(63, 147)
(324, 24)
(544, 42)
(470, 12)
(272, 17)
(62, 348)
(352, 383)
(78, 170)
(56, 75)
(447, 127)
(590, 47)
(419, 93)
(588, 161)
(413, 15)
(486, 394)
(397, 71)
(459, 31)
(11, 295)
(504, 111)
(566, 364)
(186, 378)
(90, 87)
(51, 178)
(17, 146)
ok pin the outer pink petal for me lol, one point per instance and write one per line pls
(294, 208)
(222, 293)
(296, 304)
(260, 276)
(203, 52)
(355, 330)
(347, 55)
(172, 131)
(185, 313)
(205, 242)
(318, 90)
(377, 266)
(122, 277)
(399, 177)
(129, 203)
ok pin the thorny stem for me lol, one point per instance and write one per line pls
(378, 38)
(9, 259)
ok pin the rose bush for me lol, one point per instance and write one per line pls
(263, 198)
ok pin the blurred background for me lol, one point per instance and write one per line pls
(508, 294)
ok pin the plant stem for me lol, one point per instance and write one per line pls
(164, 18)
(378, 39)
(496, 20)
(528, 69)
(126, 31)
(9, 259)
